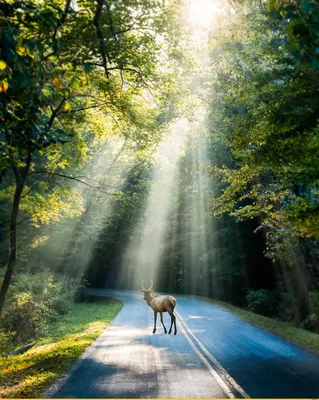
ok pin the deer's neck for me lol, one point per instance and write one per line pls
(149, 299)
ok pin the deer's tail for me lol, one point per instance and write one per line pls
(173, 302)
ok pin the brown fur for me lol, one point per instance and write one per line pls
(160, 304)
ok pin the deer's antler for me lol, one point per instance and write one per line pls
(142, 287)
(151, 287)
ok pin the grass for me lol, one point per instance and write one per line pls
(285, 330)
(31, 373)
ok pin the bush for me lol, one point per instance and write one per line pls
(312, 322)
(80, 296)
(36, 300)
(314, 303)
(25, 318)
(283, 305)
(55, 294)
(287, 309)
(58, 296)
(6, 340)
(265, 302)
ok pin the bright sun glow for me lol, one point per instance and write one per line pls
(203, 12)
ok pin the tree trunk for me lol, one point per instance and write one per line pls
(21, 177)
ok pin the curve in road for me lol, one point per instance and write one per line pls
(214, 354)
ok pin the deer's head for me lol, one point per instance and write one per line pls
(147, 292)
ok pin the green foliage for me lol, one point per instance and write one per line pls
(269, 120)
(6, 340)
(36, 300)
(30, 374)
(299, 21)
(312, 322)
(74, 80)
(25, 317)
(264, 109)
(82, 83)
(263, 301)
(56, 294)
(71, 70)
(283, 306)
(314, 300)
(287, 307)
(284, 329)
(71, 77)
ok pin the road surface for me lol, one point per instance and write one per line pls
(214, 354)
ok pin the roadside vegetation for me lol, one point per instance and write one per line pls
(286, 330)
(90, 90)
(86, 93)
(242, 221)
(31, 373)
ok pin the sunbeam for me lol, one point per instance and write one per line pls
(172, 142)
(142, 258)
(203, 12)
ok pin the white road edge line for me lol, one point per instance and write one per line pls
(219, 373)
(219, 380)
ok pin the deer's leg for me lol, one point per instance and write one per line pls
(172, 321)
(163, 322)
(155, 318)
(175, 324)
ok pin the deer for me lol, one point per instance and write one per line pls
(160, 304)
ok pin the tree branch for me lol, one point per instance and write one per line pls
(81, 109)
(96, 20)
(74, 178)
(110, 21)
(131, 27)
(30, 190)
(59, 25)
(63, 18)
(54, 114)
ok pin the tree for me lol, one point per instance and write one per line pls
(60, 67)
(265, 92)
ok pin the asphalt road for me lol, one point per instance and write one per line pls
(214, 354)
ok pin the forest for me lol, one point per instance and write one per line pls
(138, 142)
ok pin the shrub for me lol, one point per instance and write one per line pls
(6, 340)
(59, 296)
(283, 305)
(312, 322)
(25, 318)
(55, 293)
(314, 302)
(36, 300)
(287, 309)
(263, 301)
(79, 295)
